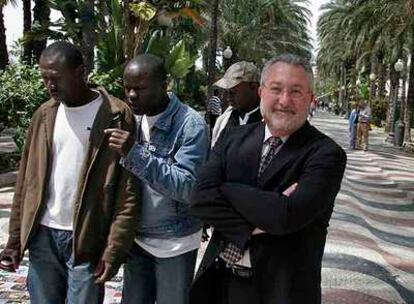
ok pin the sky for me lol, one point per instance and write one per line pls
(14, 20)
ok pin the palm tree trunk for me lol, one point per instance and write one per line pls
(129, 31)
(344, 104)
(27, 27)
(410, 100)
(381, 76)
(211, 71)
(392, 106)
(341, 84)
(4, 56)
(41, 15)
(88, 41)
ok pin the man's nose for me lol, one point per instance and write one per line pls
(132, 94)
(284, 98)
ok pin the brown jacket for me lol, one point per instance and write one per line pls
(105, 215)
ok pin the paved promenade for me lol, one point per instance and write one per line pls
(369, 256)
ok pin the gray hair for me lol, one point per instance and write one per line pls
(289, 59)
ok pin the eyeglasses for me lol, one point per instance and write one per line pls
(294, 92)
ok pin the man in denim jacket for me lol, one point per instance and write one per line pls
(171, 145)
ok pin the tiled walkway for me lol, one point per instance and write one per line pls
(369, 256)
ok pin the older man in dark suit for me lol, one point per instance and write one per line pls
(268, 190)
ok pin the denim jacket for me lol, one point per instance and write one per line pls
(167, 167)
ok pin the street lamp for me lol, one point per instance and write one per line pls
(399, 124)
(227, 53)
(372, 88)
(399, 65)
(397, 130)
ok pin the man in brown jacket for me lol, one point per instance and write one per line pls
(74, 207)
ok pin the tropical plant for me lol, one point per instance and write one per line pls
(111, 81)
(141, 15)
(22, 91)
(177, 58)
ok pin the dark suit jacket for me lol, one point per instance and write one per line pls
(286, 260)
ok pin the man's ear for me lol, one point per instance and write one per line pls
(259, 91)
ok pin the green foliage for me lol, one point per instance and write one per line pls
(9, 162)
(194, 89)
(143, 10)
(261, 29)
(379, 108)
(111, 81)
(22, 91)
(110, 47)
(178, 60)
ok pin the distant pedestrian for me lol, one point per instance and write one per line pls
(364, 119)
(353, 125)
(214, 109)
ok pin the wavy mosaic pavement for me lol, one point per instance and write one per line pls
(369, 255)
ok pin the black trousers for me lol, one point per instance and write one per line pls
(227, 288)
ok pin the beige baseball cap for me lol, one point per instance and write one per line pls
(238, 72)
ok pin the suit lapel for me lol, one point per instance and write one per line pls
(250, 152)
(289, 151)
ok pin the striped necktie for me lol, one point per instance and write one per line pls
(271, 145)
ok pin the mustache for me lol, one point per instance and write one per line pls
(290, 111)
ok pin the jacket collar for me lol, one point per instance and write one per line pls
(106, 113)
(289, 151)
(165, 121)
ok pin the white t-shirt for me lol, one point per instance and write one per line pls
(70, 146)
(164, 248)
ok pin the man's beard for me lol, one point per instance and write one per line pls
(282, 124)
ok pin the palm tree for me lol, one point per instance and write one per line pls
(260, 29)
(337, 56)
(211, 68)
(27, 27)
(41, 19)
(374, 33)
(4, 55)
(87, 16)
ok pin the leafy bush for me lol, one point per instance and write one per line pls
(379, 111)
(111, 81)
(22, 92)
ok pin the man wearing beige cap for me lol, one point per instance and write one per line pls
(241, 80)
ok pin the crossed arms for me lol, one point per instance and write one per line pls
(236, 209)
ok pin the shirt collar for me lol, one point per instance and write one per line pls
(165, 120)
(268, 135)
(245, 119)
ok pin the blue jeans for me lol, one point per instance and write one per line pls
(352, 136)
(148, 279)
(52, 277)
